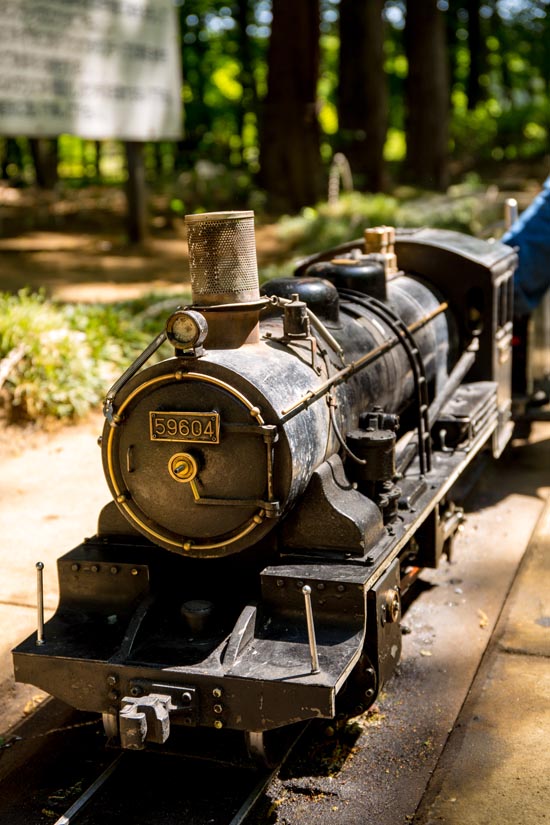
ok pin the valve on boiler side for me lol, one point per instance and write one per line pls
(297, 325)
(374, 442)
(295, 319)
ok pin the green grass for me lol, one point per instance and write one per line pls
(467, 208)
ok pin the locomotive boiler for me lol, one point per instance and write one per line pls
(278, 481)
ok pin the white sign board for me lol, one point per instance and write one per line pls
(93, 68)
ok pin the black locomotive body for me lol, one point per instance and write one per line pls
(277, 482)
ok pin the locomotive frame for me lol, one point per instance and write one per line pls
(330, 515)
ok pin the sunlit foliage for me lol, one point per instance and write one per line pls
(499, 93)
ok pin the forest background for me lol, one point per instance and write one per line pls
(321, 115)
(422, 92)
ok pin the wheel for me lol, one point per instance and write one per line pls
(360, 689)
(522, 429)
(268, 749)
(110, 725)
(259, 749)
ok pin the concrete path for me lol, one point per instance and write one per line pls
(395, 766)
(51, 490)
(495, 769)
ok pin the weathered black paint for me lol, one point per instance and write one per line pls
(122, 637)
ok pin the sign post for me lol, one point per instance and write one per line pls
(98, 69)
(136, 193)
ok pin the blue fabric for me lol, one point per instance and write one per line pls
(531, 234)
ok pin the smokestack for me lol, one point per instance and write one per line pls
(222, 258)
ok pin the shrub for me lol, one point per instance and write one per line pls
(68, 354)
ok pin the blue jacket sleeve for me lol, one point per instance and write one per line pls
(531, 235)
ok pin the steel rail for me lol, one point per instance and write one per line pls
(260, 786)
(266, 779)
(83, 800)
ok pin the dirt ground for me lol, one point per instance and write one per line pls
(72, 242)
(73, 246)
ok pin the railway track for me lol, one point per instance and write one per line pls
(96, 802)
(68, 777)
(78, 806)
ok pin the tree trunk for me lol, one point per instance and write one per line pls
(97, 160)
(452, 23)
(427, 95)
(45, 157)
(12, 157)
(475, 47)
(136, 193)
(249, 102)
(362, 91)
(290, 157)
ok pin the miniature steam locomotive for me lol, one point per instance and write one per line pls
(278, 481)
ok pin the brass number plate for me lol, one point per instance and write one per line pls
(185, 426)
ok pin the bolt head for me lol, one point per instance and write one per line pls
(393, 605)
